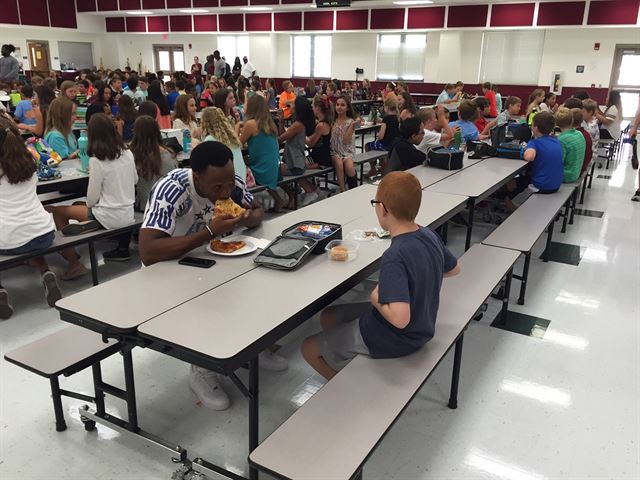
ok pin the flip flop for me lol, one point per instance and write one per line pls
(79, 228)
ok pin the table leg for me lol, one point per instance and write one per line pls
(445, 231)
(505, 298)
(99, 393)
(254, 407)
(525, 276)
(94, 263)
(130, 389)
(545, 255)
(584, 188)
(457, 360)
(56, 396)
(593, 167)
(472, 206)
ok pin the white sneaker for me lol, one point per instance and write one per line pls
(309, 198)
(206, 386)
(273, 362)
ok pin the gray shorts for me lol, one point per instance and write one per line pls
(340, 344)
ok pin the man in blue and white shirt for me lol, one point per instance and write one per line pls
(180, 217)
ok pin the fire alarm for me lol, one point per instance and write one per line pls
(596, 46)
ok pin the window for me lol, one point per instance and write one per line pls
(232, 46)
(311, 56)
(624, 77)
(511, 57)
(401, 56)
(75, 55)
(168, 58)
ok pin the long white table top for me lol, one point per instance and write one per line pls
(126, 302)
(429, 175)
(479, 178)
(222, 323)
(70, 171)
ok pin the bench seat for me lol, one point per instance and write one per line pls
(334, 432)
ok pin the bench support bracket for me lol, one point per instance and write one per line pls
(455, 379)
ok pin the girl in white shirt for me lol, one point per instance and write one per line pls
(185, 117)
(110, 194)
(25, 225)
(611, 118)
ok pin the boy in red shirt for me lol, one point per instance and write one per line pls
(483, 111)
(490, 95)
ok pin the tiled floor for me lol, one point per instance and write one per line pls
(562, 404)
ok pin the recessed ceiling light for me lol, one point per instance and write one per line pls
(256, 9)
(413, 2)
(139, 12)
(194, 10)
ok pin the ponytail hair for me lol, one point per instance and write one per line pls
(15, 160)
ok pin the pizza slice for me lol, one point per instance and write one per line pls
(226, 247)
(229, 207)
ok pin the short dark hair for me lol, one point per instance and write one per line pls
(577, 117)
(467, 110)
(180, 85)
(104, 141)
(544, 122)
(481, 102)
(27, 91)
(410, 126)
(210, 154)
(487, 85)
(512, 101)
(581, 95)
(132, 82)
(573, 103)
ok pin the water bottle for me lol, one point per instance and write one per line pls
(186, 140)
(83, 142)
(457, 139)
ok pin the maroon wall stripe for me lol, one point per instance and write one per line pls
(136, 24)
(62, 14)
(178, 3)
(180, 23)
(429, 17)
(318, 20)
(114, 24)
(295, 2)
(234, 3)
(287, 21)
(84, 5)
(257, 22)
(205, 3)
(387, 18)
(613, 12)
(512, 14)
(34, 12)
(560, 13)
(467, 16)
(352, 20)
(158, 24)
(153, 4)
(107, 5)
(130, 5)
(264, 2)
(231, 22)
(205, 23)
(9, 12)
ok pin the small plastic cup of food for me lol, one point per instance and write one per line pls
(342, 250)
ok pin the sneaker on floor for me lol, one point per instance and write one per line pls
(72, 274)
(273, 362)
(309, 198)
(79, 228)
(117, 255)
(636, 196)
(51, 289)
(206, 386)
(6, 310)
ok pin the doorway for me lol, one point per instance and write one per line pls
(625, 78)
(168, 58)
(39, 56)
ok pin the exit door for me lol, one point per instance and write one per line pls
(39, 56)
(169, 58)
(625, 78)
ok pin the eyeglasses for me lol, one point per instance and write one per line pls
(375, 202)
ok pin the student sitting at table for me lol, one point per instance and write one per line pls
(134, 92)
(82, 88)
(24, 110)
(101, 94)
(437, 131)
(544, 153)
(549, 104)
(611, 118)
(68, 90)
(494, 87)
(577, 124)
(467, 113)
(225, 100)
(483, 111)
(180, 218)
(406, 107)
(110, 193)
(259, 133)
(26, 226)
(271, 94)
(58, 132)
(490, 95)
(163, 116)
(343, 147)
(589, 122)
(511, 110)
(294, 157)
(389, 131)
(389, 89)
(573, 145)
(331, 93)
(448, 94)
(401, 316)
(216, 127)
(533, 107)
(126, 117)
(115, 84)
(320, 141)
(185, 117)
(172, 95)
(460, 90)
(404, 154)
(287, 97)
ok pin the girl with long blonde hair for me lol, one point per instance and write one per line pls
(215, 126)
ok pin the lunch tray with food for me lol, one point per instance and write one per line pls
(288, 250)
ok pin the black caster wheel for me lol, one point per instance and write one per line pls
(478, 317)
(486, 218)
(498, 221)
(89, 425)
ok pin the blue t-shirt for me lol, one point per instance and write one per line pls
(22, 109)
(468, 129)
(171, 100)
(411, 272)
(547, 169)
